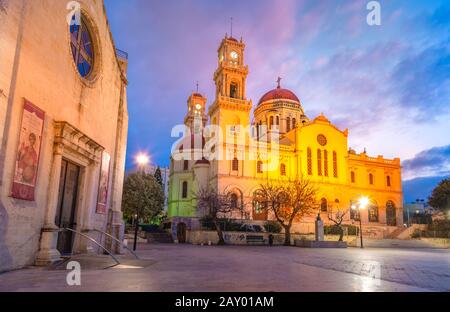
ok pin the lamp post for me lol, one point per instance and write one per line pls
(142, 161)
(362, 204)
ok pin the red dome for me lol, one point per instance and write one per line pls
(279, 94)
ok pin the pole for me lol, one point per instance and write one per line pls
(136, 232)
(360, 230)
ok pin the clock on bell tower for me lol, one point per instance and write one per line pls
(196, 116)
(230, 79)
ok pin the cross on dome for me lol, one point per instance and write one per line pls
(279, 82)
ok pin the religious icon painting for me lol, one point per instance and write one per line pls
(103, 184)
(28, 152)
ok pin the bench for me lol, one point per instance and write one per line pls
(255, 239)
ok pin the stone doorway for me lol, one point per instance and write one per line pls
(67, 205)
(181, 232)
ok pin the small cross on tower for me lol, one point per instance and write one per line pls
(197, 86)
(231, 18)
(279, 82)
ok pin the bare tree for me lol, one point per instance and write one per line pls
(337, 219)
(289, 201)
(216, 206)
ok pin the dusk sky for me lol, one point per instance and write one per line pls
(389, 84)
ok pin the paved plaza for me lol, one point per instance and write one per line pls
(171, 267)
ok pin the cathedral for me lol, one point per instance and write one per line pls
(228, 149)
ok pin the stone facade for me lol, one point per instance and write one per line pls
(279, 142)
(85, 116)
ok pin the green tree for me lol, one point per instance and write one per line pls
(440, 197)
(142, 196)
(158, 176)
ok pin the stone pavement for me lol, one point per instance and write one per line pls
(170, 267)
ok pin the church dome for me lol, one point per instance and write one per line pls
(279, 94)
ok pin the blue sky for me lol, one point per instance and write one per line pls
(389, 84)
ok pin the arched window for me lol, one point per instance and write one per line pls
(370, 179)
(184, 190)
(82, 47)
(288, 124)
(278, 120)
(309, 156)
(352, 177)
(325, 162)
(294, 123)
(259, 166)
(234, 90)
(186, 165)
(388, 181)
(259, 129)
(234, 200)
(319, 162)
(335, 168)
(235, 164)
(354, 211)
(323, 205)
(373, 213)
(336, 204)
(283, 169)
(270, 122)
(391, 215)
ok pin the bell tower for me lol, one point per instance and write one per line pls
(230, 78)
(196, 117)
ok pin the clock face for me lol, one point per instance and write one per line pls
(234, 55)
(198, 107)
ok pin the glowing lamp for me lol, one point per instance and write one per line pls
(363, 202)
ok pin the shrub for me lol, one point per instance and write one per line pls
(440, 225)
(416, 234)
(272, 227)
(224, 224)
(207, 223)
(150, 228)
(334, 230)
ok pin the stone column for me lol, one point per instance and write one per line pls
(49, 236)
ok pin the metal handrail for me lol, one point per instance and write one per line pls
(94, 241)
(117, 240)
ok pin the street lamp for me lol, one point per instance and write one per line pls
(363, 202)
(142, 161)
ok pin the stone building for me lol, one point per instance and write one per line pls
(63, 129)
(283, 139)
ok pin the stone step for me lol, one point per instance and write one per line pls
(395, 243)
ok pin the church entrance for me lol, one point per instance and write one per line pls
(259, 209)
(67, 202)
(181, 232)
(391, 218)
